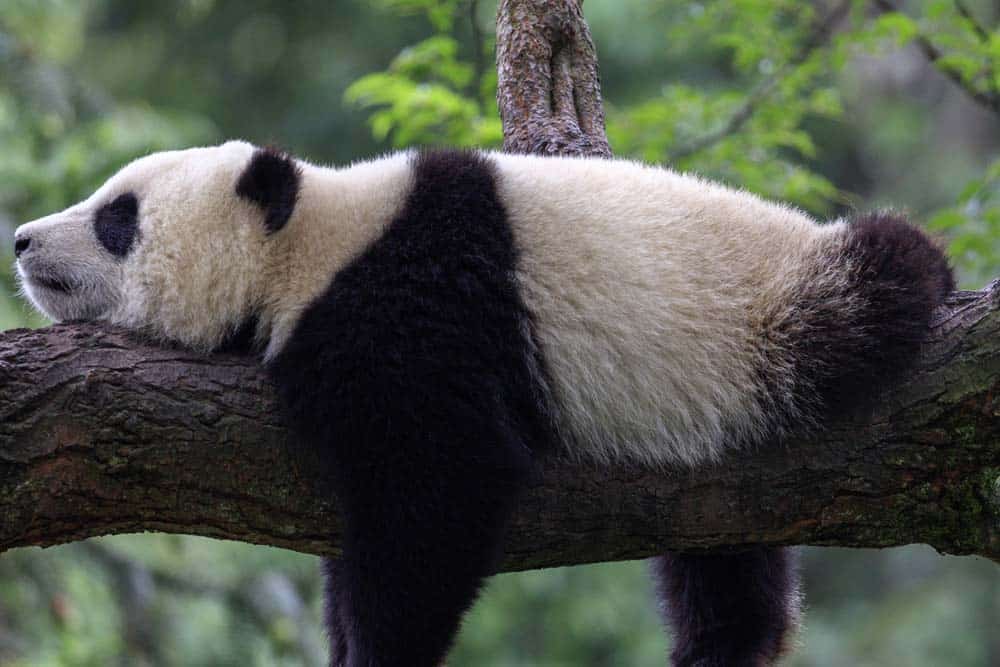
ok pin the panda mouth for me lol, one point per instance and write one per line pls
(54, 284)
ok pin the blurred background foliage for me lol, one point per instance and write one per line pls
(832, 105)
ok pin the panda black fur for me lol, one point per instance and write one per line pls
(436, 321)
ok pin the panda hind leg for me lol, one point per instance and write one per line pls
(739, 609)
(729, 610)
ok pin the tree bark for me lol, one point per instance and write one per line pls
(548, 88)
(101, 433)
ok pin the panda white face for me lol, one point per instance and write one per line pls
(168, 246)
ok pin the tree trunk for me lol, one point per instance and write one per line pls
(101, 433)
(548, 89)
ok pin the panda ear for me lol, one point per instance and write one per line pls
(271, 181)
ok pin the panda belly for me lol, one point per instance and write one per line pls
(636, 377)
(660, 318)
(641, 372)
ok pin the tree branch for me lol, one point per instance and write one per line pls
(102, 434)
(933, 55)
(478, 53)
(981, 32)
(819, 36)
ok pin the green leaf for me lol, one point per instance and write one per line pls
(896, 26)
(968, 68)
(970, 191)
(947, 219)
(937, 9)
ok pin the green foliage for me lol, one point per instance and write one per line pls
(55, 131)
(973, 224)
(968, 50)
(617, 626)
(964, 50)
(74, 611)
(424, 98)
(440, 13)
(689, 128)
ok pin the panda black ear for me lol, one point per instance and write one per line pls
(271, 181)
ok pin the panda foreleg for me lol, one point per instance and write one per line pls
(412, 379)
(729, 610)
(335, 627)
(424, 524)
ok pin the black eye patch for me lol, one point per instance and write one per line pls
(117, 224)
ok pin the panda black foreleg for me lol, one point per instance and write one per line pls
(335, 628)
(424, 524)
(729, 610)
(414, 380)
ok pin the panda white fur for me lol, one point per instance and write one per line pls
(435, 321)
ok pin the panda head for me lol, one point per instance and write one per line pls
(177, 244)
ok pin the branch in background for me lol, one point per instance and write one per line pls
(988, 100)
(260, 600)
(11, 645)
(977, 27)
(64, 91)
(101, 434)
(478, 53)
(818, 37)
(135, 591)
(548, 86)
(984, 38)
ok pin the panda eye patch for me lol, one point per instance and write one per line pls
(117, 224)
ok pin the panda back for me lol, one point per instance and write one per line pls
(650, 291)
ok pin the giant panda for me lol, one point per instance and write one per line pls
(437, 321)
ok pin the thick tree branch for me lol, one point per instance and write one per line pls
(101, 434)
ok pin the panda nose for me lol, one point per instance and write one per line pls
(20, 245)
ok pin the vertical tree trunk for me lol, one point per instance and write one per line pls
(548, 87)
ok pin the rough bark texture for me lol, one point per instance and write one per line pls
(100, 433)
(548, 88)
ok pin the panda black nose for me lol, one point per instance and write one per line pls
(20, 245)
